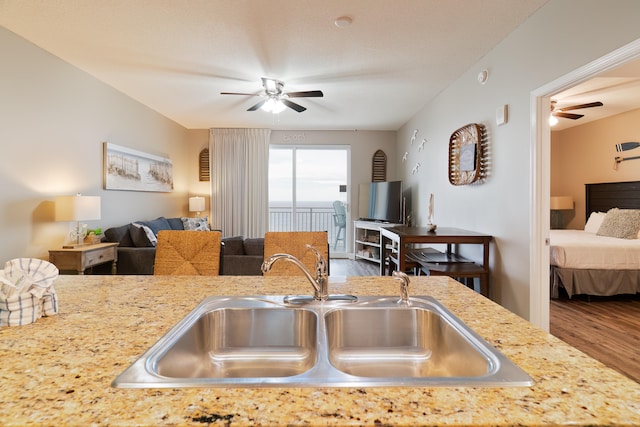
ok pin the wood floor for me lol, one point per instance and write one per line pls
(607, 329)
(349, 267)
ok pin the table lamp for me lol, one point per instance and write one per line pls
(557, 205)
(77, 208)
(196, 204)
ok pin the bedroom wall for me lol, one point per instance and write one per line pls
(585, 154)
(54, 120)
(549, 45)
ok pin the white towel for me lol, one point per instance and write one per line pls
(26, 291)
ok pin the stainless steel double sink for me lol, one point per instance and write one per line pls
(265, 341)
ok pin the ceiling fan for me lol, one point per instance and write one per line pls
(275, 99)
(561, 112)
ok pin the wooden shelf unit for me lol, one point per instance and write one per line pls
(366, 238)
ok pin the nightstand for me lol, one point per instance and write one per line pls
(83, 257)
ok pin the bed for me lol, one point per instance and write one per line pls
(584, 262)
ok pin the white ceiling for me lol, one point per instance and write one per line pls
(176, 56)
(618, 89)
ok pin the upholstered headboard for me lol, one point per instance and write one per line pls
(604, 196)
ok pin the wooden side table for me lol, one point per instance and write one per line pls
(83, 257)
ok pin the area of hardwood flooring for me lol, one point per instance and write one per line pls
(350, 267)
(607, 329)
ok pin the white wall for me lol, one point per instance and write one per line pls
(552, 43)
(363, 145)
(54, 118)
(585, 154)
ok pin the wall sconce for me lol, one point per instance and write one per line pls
(557, 205)
(77, 208)
(196, 204)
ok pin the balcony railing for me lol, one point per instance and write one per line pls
(314, 218)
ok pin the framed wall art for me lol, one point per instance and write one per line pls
(133, 170)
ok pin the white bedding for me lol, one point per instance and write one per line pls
(583, 250)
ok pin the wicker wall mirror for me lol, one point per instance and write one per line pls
(467, 154)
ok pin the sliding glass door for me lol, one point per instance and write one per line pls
(307, 188)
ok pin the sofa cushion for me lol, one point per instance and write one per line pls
(142, 236)
(156, 225)
(119, 235)
(198, 224)
(254, 246)
(175, 223)
(233, 245)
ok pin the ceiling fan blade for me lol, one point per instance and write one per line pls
(257, 106)
(581, 106)
(239, 93)
(567, 115)
(306, 94)
(299, 108)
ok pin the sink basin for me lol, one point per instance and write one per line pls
(243, 343)
(400, 342)
(267, 341)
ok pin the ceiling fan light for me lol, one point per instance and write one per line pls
(552, 120)
(273, 105)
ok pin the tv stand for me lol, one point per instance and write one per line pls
(366, 238)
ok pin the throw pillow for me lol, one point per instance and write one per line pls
(142, 236)
(175, 223)
(119, 234)
(198, 224)
(620, 223)
(156, 225)
(594, 222)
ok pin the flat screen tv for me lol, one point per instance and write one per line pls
(385, 201)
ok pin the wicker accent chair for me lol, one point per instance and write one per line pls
(187, 253)
(294, 243)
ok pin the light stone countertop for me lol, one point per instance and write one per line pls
(58, 370)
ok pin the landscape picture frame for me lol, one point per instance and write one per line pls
(133, 170)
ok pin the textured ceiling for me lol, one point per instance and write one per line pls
(177, 56)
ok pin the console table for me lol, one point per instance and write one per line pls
(82, 257)
(397, 238)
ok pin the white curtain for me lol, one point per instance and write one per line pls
(239, 181)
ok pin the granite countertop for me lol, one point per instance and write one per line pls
(58, 370)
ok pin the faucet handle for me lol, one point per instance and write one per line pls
(404, 286)
(321, 263)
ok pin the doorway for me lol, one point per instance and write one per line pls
(541, 171)
(304, 184)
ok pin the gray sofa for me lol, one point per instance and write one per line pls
(242, 257)
(137, 254)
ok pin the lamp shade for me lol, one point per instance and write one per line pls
(196, 204)
(77, 208)
(561, 203)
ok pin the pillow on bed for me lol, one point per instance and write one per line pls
(621, 223)
(594, 222)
